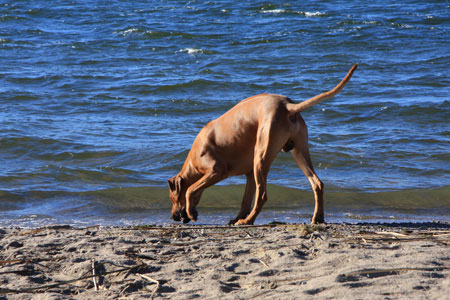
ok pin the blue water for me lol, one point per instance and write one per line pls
(100, 102)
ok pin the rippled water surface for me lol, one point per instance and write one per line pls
(100, 102)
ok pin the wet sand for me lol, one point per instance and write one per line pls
(277, 261)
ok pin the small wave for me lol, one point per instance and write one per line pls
(26, 79)
(307, 14)
(130, 31)
(314, 14)
(273, 11)
(371, 22)
(400, 25)
(197, 84)
(11, 18)
(8, 200)
(24, 97)
(192, 50)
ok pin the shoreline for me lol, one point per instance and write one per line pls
(220, 203)
(273, 261)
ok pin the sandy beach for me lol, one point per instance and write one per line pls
(275, 261)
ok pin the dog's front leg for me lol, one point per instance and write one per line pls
(195, 191)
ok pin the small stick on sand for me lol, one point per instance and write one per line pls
(54, 285)
(441, 235)
(396, 234)
(94, 275)
(151, 280)
(261, 261)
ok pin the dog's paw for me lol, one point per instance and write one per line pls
(233, 221)
(243, 222)
(184, 216)
(193, 214)
(317, 220)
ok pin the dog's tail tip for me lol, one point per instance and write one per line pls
(352, 69)
(296, 108)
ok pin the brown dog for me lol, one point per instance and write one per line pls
(245, 140)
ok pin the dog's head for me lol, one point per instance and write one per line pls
(177, 193)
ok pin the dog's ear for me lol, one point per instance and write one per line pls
(175, 183)
(171, 183)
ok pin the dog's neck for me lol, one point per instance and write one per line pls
(189, 174)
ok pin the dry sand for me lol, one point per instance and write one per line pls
(337, 261)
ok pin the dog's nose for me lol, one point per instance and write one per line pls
(176, 216)
(184, 216)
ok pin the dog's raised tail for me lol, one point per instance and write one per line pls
(296, 108)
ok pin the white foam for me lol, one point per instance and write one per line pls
(307, 14)
(192, 50)
(127, 32)
(273, 11)
(313, 14)
(401, 25)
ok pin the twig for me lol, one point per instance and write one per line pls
(314, 235)
(261, 261)
(12, 261)
(93, 275)
(392, 271)
(441, 235)
(53, 285)
(30, 260)
(181, 244)
(151, 280)
(398, 237)
(396, 234)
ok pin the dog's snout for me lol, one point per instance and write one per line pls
(180, 215)
(176, 217)
(184, 216)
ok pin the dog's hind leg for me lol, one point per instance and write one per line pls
(249, 194)
(270, 139)
(302, 157)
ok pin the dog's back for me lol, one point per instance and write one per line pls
(232, 136)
